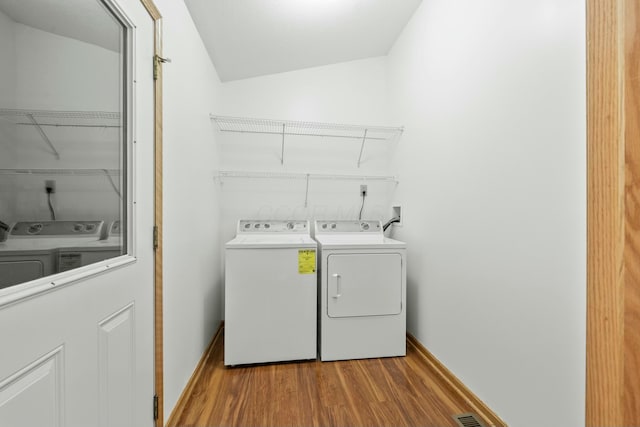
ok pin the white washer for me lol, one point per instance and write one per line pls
(270, 293)
(362, 291)
(31, 248)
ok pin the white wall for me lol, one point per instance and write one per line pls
(352, 93)
(191, 202)
(493, 98)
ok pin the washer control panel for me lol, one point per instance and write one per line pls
(272, 226)
(57, 228)
(348, 226)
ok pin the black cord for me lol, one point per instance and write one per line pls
(391, 221)
(53, 212)
(361, 207)
(4, 231)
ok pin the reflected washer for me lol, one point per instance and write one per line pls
(31, 249)
(108, 247)
(361, 291)
(270, 293)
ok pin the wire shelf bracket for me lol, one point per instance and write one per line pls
(364, 139)
(43, 135)
(282, 154)
(306, 193)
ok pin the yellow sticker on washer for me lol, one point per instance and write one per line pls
(306, 261)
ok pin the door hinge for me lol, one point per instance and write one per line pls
(155, 237)
(157, 59)
(155, 407)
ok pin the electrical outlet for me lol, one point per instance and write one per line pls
(396, 212)
(50, 186)
(363, 190)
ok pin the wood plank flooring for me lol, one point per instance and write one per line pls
(397, 391)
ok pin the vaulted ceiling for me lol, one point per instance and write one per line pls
(248, 38)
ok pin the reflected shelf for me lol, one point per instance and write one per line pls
(99, 119)
(79, 172)
(41, 119)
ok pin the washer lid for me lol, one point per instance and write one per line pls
(267, 240)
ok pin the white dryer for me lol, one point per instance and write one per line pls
(362, 291)
(30, 249)
(270, 293)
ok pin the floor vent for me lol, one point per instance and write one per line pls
(468, 420)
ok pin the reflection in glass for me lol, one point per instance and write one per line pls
(62, 137)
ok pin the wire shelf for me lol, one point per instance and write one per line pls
(302, 128)
(289, 127)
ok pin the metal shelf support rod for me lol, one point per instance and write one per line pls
(282, 154)
(364, 138)
(306, 194)
(43, 135)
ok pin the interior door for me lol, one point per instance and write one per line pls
(364, 284)
(78, 350)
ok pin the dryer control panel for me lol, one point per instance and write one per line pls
(349, 226)
(273, 226)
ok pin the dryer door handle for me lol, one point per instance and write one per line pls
(338, 286)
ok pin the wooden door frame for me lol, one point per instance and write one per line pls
(157, 142)
(613, 231)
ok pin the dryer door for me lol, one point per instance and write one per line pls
(364, 284)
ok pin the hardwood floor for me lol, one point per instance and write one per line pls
(397, 391)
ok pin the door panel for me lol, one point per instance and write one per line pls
(35, 394)
(96, 332)
(364, 284)
(116, 364)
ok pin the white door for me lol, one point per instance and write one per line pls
(364, 284)
(81, 353)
